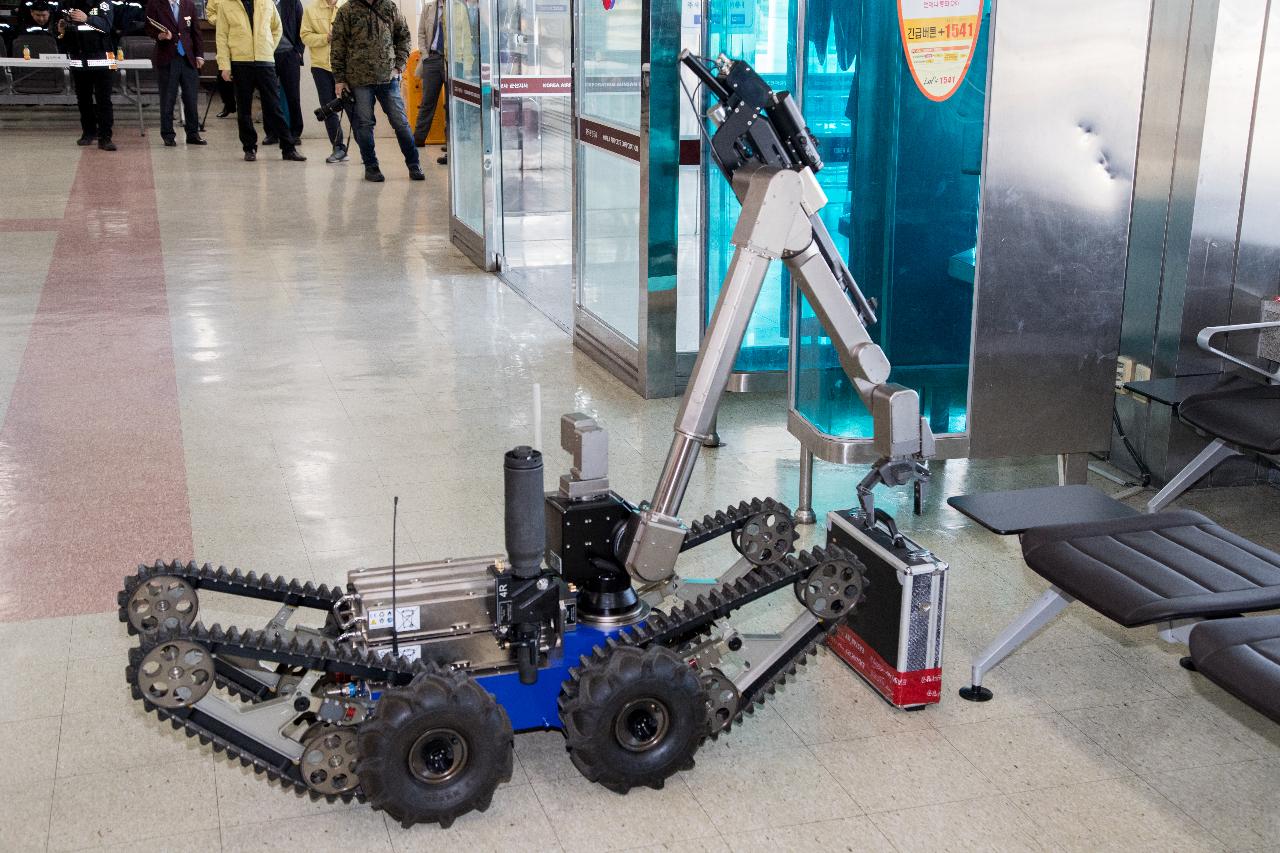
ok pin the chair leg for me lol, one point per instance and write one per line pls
(1206, 461)
(1021, 629)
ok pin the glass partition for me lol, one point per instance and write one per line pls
(763, 33)
(902, 177)
(608, 165)
(534, 60)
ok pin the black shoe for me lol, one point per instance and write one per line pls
(295, 155)
(270, 140)
(443, 160)
(420, 143)
(251, 155)
(106, 145)
(171, 143)
(196, 140)
(86, 140)
(415, 174)
(226, 112)
(374, 174)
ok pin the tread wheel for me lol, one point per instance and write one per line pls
(435, 749)
(633, 717)
(767, 537)
(163, 601)
(834, 588)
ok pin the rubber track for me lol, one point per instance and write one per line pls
(692, 618)
(668, 629)
(322, 656)
(234, 582)
(716, 524)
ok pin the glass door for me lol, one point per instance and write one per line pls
(608, 173)
(535, 145)
(475, 221)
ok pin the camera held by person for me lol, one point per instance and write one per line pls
(339, 104)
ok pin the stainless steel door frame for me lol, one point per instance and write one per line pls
(491, 114)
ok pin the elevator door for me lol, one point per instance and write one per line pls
(534, 61)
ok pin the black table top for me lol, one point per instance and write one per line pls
(1020, 510)
(1173, 391)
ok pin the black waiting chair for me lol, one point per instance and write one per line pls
(37, 81)
(1173, 570)
(1239, 416)
(1242, 656)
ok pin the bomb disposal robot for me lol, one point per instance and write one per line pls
(409, 695)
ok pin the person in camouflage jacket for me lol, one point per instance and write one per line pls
(369, 52)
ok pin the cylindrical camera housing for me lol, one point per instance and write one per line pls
(525, 518)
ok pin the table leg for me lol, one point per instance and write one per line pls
(137, 83)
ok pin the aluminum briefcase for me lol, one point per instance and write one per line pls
(894, 638)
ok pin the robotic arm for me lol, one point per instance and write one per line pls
(763, 147)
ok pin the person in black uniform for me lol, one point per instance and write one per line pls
(86, 35)
(36, 17)
(129, 21)
(289, 64)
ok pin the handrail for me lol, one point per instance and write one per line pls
(1209, 332)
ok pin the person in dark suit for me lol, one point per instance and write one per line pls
(289, 64)
(179, 56)
(85, 34)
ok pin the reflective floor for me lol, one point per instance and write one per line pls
(244, 363)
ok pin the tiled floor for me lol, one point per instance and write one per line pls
(324, 348)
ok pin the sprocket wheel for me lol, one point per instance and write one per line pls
(174, 674)
(435, 749)
(328, 762)
(833, 588)
(723, 701)
(163, 601)
(767, 537)
(633, 717)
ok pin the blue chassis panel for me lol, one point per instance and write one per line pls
(535, 706)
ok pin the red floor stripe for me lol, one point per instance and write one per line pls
(92, 475)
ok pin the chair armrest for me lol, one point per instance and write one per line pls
(1203, 340)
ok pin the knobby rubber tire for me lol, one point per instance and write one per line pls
(435, 699)
(602, 688)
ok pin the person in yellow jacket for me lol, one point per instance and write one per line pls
(317, 34)
(247, 34)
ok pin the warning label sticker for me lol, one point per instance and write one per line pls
(407, 618)
(939, 37)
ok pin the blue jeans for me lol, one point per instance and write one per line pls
(388, 96)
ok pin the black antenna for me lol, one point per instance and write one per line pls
(395, 635)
